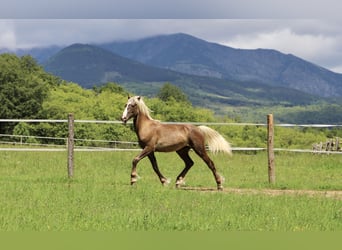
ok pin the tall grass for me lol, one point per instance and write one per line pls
(35, 194)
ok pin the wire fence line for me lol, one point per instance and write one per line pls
(115, 145)
(128, 145)
(194, 123)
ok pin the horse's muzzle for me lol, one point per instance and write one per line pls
(124, 120)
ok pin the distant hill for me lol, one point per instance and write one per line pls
(89, 65)
(188, 54)
(41, 54)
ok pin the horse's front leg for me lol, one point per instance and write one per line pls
(154, 163)
(134, 176)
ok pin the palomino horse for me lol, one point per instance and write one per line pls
(154, 136)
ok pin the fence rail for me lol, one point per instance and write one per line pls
(127, 145)
(194, 123)
(70, 140)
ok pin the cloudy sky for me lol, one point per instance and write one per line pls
(309, 29)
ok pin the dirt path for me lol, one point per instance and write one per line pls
(336, 194)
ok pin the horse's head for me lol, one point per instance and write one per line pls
(131, 108)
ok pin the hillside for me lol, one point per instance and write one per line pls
(188, 54)
(41, 54)
(89, 65)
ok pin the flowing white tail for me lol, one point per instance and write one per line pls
(215, 141)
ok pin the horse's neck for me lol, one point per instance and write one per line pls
(139, 121)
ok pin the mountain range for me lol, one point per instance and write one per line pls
(210, 74)
(188, 54)
(90, 65)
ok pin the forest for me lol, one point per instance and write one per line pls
(28, 92)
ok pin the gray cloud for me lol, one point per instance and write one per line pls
(316, 40)
(112, 9)
(85, 9)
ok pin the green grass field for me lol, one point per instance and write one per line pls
(35, 193)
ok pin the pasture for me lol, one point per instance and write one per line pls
(35, 193)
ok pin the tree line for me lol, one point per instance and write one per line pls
(28, 92)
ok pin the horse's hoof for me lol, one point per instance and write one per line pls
(166, 182)
(134, 179)
(220, 188)
(178, 185)
(180, 182)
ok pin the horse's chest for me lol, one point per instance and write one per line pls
(145, 137)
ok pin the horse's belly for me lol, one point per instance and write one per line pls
(165, 147)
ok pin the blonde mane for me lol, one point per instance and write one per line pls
(143, 109)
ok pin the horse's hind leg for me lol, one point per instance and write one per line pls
(154, 163)
(201, 152)
(184, 154)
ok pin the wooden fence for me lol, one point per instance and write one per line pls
(330, 146)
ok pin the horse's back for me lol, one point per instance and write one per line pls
(172, 137)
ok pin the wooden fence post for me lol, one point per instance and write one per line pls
(71, 145)
(270, 151)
